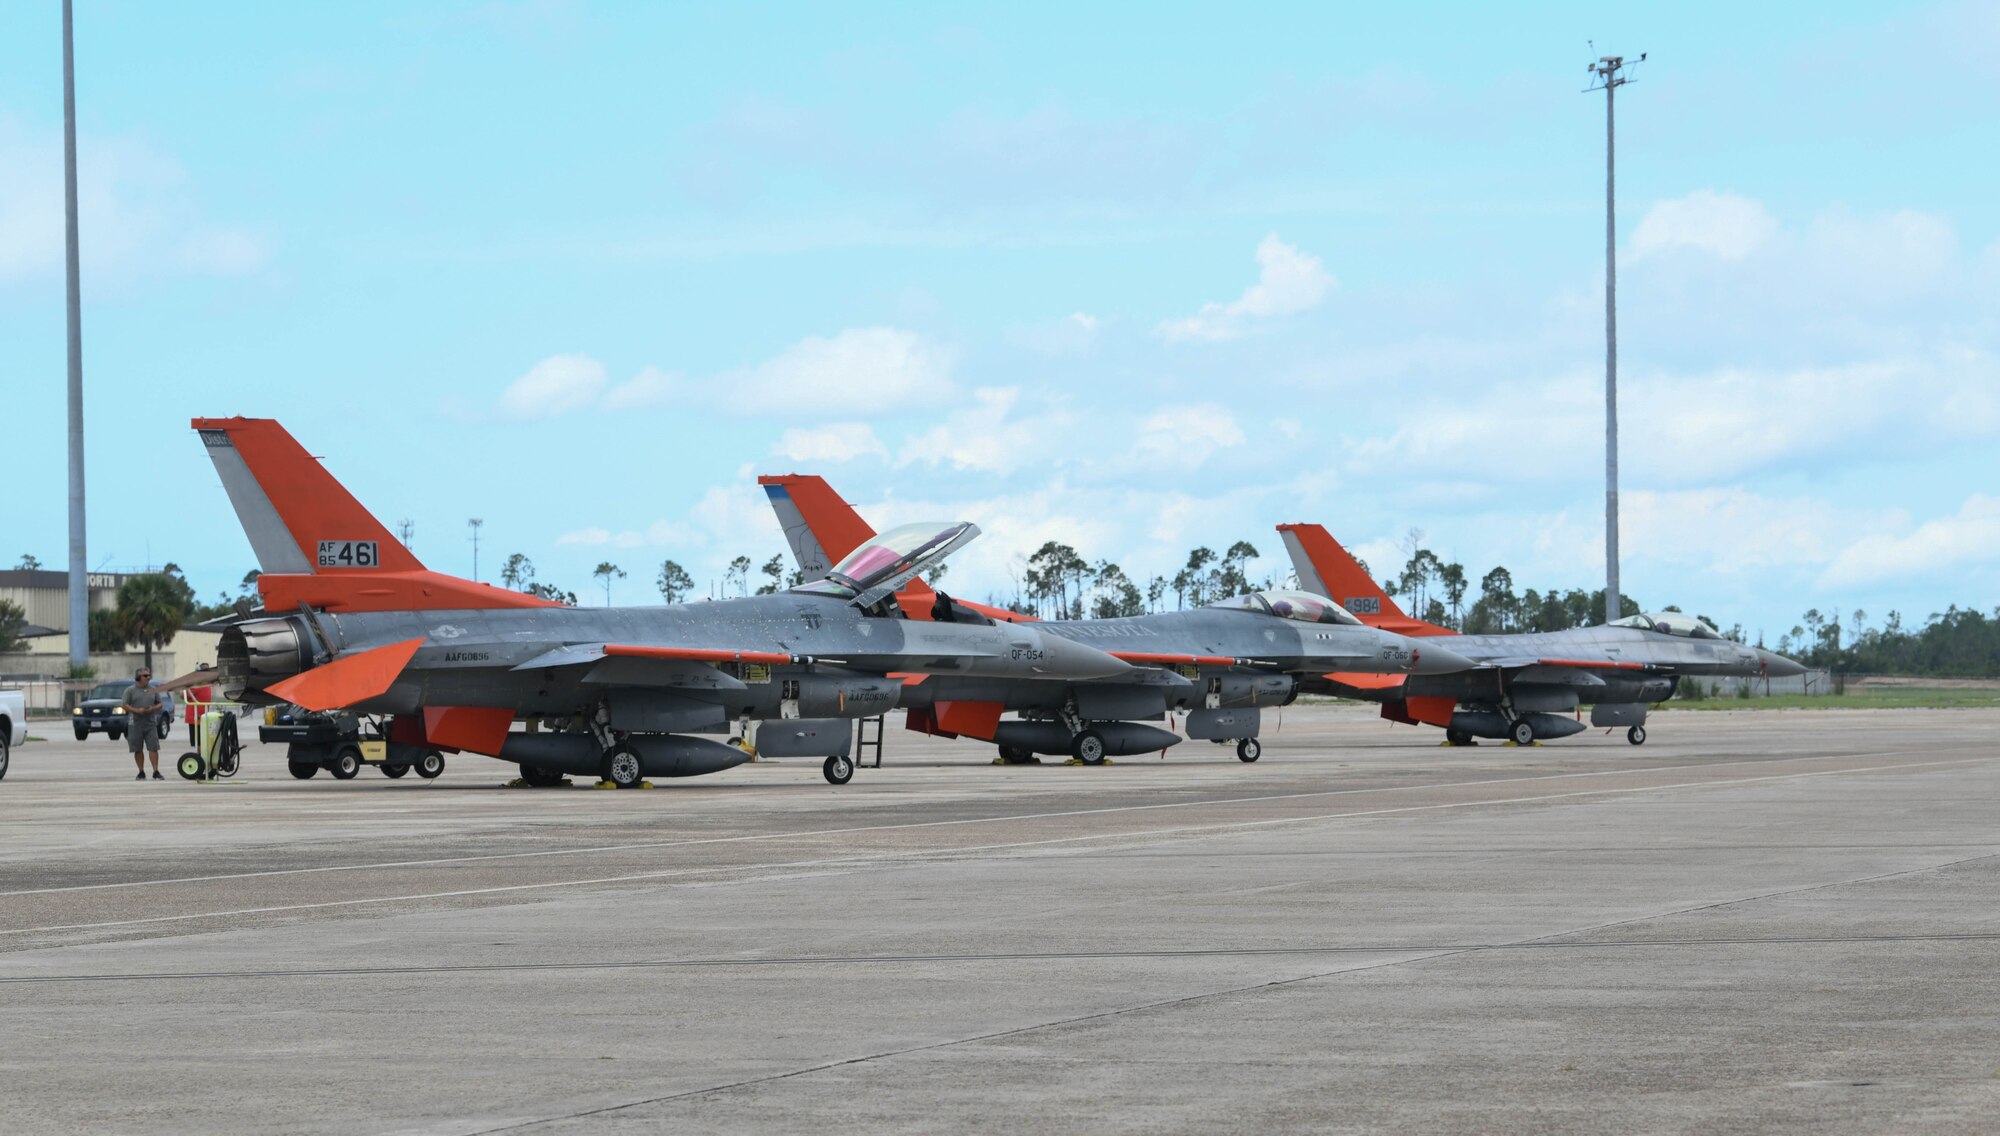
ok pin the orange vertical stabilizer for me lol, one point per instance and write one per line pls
(1325, 567)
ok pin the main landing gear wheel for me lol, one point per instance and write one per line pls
(838, 770)
(1522, 732)
(1248, 750)
(394, 769)
(1088, 747)
(540, 778)
(430, 765)
(189, 766)
(1636, 735)
(1457, 737)
(346, 762)
(621, 767)
(1010, 755)
(303, 770)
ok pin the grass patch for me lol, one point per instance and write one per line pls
(1898, 698)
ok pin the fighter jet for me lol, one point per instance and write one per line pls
(1526, 684)
(354, 625)
(1221, 664)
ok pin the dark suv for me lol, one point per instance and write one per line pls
(99, 712)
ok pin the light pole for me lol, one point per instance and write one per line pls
(79, 594)
(474, 523)
(1606, 75)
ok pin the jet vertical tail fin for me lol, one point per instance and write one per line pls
(823, 528)
(1330, 570)
(314, 542)
(820, 526)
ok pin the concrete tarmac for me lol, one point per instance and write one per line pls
(1757, 922)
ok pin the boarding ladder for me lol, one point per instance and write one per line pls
(864, 741)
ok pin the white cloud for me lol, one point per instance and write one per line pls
(880, 364)
(1186, 435)
(590, 536)
(979, 436)
(552, 387)
(838, 442)
(1288, 282)
(650, 387)
(1936, 549)
(135, 208)
(1720, 224)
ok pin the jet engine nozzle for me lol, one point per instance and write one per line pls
(253, 654)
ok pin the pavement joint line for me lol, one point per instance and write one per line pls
(995, 1035)
(913, 857)
(811, 833)
(1539, 943)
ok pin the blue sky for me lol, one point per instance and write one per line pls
(583, 270)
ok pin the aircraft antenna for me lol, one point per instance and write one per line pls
(1607, 74)
(79, 595)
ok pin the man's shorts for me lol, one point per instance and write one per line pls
(144, 737)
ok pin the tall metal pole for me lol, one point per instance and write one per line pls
(1606, 74)
(1613, 606)
(79, 595)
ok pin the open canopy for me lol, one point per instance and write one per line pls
(1302, 606)
(1670, 623)
(892, 559)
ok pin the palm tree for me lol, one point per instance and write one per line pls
(150, 609)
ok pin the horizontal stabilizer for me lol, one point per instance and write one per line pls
(346, 681)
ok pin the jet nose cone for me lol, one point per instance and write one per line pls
(1065, 658)
(1428, 656)
(1778, 666)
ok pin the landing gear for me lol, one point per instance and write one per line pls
(540, 778)
(838, 770)
(1010, 755)
(1521, 732)
(346, 762)
(430, 765)
(393, 770)
(1457, 737)
(1088, 747)
(621, 767)
(1248, 750)
(1636, 735)
(303, 770)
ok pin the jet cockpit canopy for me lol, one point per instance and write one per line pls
(1302, 606)
(1670, 623)
(892, 559)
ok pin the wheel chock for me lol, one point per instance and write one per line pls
(605, 785)
(1079, 761)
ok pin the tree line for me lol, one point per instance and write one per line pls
(1058, 582)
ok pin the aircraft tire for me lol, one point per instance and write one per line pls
(1248, 750)
(838, 770)
(189, 766)
(621, 766)
(430, 765)
(1521, 732)
(540, 778)
(1636, 735)
(1088, 747)
(394, 769)
(303, 770)
(346, 763)
(1457, 737)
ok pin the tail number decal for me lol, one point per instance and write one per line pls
(347, 554)
(1362, 605)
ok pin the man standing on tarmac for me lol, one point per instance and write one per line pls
(142, 722)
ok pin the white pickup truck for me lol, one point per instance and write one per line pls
(13, 724)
